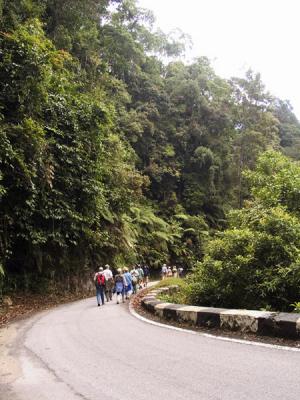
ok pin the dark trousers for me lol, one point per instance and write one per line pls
(100, 294)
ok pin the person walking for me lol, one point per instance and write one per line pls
(174, 271)
(169, 272)
(146, 274)
(109, 283)
(120, 285)
(128, 282)
(164, 271)
(141, 276)
(99, 280)
(135, 277)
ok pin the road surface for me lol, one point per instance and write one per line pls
(83, 352)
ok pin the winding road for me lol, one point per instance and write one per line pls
(83, 352)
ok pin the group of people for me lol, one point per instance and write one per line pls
(169, 272)
(123, 284)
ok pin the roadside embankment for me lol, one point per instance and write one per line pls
(279, 324)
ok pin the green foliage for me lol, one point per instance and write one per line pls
(178, 297)
(276, 181)
(289, 128)
(154, 236)
(114, 150)
(296, 306)
(256, 262)
(68, 175)
(171, 281)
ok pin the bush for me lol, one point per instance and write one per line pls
(256, 262)
(179, 297)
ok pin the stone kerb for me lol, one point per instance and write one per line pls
(251, 321)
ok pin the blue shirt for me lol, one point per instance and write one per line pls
(128, 278)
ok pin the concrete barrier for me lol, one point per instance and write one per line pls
(246, 321)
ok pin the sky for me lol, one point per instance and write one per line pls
(240, 34)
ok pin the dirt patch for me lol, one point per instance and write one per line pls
(136, 303)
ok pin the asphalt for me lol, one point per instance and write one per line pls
(80, 351)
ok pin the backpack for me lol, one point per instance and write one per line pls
(100, 280)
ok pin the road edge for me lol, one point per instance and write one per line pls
(209, 335)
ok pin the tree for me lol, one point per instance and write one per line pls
(111, 147)
(255, 262)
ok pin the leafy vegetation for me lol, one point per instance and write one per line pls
(255, 262)
(178, 297)
(296, 306)
(170, 282)
(114, 150)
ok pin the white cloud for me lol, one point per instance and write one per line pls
(238, 34)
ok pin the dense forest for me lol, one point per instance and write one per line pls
(112, 149)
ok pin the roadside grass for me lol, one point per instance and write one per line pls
(171, 281)
(179, 297)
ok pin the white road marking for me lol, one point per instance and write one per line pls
(208, 335)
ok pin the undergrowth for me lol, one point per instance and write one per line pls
(179, 297)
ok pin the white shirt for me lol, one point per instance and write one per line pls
(108, 274)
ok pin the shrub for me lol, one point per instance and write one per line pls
(255, 263)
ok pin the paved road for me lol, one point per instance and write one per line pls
(79, 351)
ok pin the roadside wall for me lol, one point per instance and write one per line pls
(247, 321)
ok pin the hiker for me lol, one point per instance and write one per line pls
(169, 272)
(99, 280)
(164, 271)
(141, 276)
(128, 282)
(146, 275)
(119, 285)
(135, 277)
(174, 271)
(180, 272)
(109, 283)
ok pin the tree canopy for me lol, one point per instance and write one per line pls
(112, 149)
